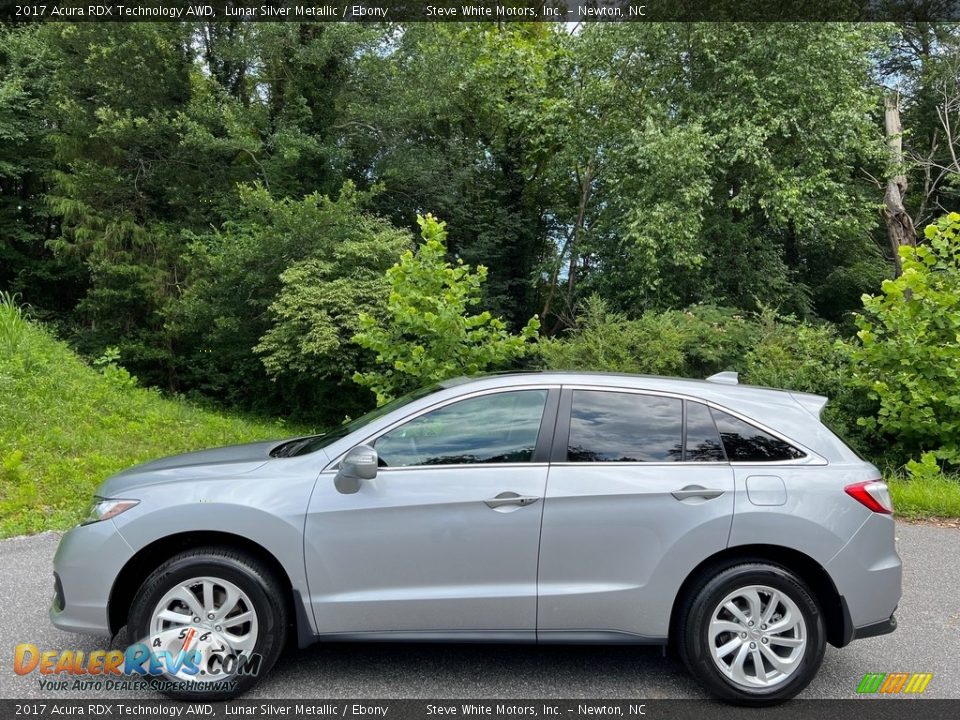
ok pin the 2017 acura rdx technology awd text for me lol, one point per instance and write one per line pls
(726, 520)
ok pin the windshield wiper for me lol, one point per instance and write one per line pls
(291, 447)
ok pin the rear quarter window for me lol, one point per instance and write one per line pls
(745, 443)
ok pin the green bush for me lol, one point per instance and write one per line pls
(12, 323)
(427, 332)
(909, 353)
(271, 302)
(811, 358)
(695, 342)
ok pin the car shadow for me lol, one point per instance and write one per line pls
(440, 670)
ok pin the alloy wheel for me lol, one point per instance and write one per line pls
(208, 614)
(757, 637)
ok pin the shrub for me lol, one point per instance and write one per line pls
(695, 342)
(13, 323)
(271, 302)
(426, 332)
(909, 353)
(811, 358)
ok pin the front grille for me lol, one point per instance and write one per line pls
(59, 602)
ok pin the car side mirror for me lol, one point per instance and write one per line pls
(360, 463)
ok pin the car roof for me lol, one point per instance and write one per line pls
(706, 389)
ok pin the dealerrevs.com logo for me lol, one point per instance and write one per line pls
(894, 683)
(179, 658)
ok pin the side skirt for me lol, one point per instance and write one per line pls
(529, 637)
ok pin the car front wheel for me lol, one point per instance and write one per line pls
(753, 634)
(214, 621)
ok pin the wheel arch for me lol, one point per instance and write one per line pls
(835, 613)
(152, 555)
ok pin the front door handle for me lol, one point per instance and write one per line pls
(511, 498)
(693, 491)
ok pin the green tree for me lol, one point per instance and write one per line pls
(154, 127)
(271, 301)
(117, 180)
(909, 354)
(49, 283)
(725, 166)
(712, 167)
(462, 118)
(427, 332)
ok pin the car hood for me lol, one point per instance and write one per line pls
(205, 464)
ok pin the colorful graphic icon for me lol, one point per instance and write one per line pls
(894, 683)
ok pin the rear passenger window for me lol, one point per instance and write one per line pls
(703, 441)
(624, 427)
(745, 443)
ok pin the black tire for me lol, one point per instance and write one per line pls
(246, 572)
(693, 639)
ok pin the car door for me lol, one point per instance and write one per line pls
(445, 539)
(639, 493)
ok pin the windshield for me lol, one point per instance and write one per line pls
(302, 446)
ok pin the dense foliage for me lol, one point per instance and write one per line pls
(216, 206)
(694, 342)
(427, 332)
(272, 299)
(909, 356)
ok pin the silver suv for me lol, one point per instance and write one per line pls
(725, 520)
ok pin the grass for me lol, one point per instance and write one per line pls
(932, 497)
(65, 426)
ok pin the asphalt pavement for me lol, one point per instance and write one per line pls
(927, 640)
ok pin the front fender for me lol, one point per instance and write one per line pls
(273, 521)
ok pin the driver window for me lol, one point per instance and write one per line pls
(497, 428)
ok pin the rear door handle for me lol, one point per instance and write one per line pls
(693, 491)
(511, 498)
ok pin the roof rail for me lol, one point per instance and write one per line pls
(727, 377)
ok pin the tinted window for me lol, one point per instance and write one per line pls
(744, 442)
(487, 429)
(623, 427)
(703, 440)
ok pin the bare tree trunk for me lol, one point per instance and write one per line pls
(900, 229)
(584, 184)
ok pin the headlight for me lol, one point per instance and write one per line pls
(104, 509)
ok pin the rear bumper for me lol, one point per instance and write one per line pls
(867, 574)
(849, 632)
(884, 627)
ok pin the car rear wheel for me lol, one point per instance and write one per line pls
(214, 621)
(753, 634)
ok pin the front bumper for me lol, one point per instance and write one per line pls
(87, 562)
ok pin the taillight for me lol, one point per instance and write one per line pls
(873, 494)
